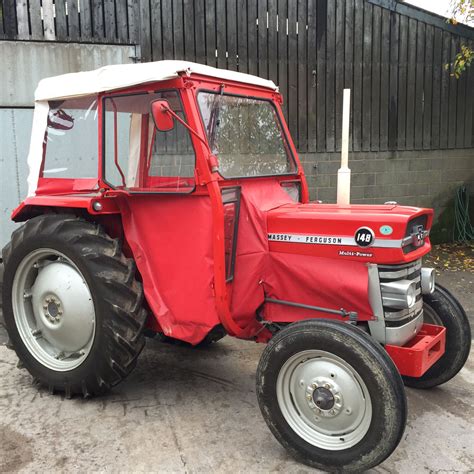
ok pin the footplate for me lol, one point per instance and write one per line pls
(420, 353)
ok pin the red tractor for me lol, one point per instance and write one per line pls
(167, 198)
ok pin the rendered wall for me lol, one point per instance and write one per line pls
(27, 63)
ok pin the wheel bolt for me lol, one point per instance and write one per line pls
(314, 386)
(327, 386)
(308, 397)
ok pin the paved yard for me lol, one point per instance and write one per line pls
(189, 410)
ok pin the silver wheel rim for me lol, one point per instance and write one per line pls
(53, 310)
(308, 383)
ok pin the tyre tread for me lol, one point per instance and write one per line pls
(120, 293)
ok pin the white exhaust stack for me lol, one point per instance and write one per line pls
(344, 173)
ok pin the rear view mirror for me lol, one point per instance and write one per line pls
(164, 121)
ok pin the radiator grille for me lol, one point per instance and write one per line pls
(411, 227)
(410, 271)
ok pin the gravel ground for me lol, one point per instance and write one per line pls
(192, 410)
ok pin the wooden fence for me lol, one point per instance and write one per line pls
(390, 54)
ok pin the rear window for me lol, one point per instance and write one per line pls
(71, 139)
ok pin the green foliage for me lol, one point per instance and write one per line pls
(462, 60)
(461, 11)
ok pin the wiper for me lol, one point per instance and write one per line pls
(214, 120)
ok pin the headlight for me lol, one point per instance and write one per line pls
(399, 294)
(427, 280)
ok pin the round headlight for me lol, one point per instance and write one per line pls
(427, 280)
(411, 295)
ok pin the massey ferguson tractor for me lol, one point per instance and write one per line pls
(167, 198)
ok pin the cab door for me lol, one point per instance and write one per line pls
(166, 213)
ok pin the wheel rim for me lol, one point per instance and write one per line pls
(324, 400)
(430, 316)
(53, 310)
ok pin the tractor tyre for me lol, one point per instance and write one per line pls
(72, 305)
(331, 396)
(443, 309)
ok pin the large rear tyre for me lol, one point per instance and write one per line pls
(331, 396)
(72, 305)
(443, 309)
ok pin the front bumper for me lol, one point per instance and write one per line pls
(421, 352)
(413, 346)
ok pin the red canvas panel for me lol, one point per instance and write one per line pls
(171, 240)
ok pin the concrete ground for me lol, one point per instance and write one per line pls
(195, 410)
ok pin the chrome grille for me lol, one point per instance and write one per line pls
(409, 271)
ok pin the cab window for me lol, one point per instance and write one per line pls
(71, 141)
(139, 157)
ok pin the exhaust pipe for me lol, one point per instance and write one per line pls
(344, 173)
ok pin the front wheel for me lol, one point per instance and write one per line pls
(331, 396)
(442, 309)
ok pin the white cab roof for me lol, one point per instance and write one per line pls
(119, 76)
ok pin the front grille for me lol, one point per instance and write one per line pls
(409, 271)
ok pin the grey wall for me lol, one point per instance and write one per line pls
(15, 126)
(27, 63)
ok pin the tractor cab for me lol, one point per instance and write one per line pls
(177, 166)
(168, 198)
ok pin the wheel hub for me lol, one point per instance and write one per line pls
(324, 397)
(53, 309)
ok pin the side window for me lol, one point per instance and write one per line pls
(71, 139)
(172, 152)
(137, 155)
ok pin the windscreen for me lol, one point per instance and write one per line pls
(245, 135)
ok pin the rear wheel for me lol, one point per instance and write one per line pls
(72, 305)
(319, 386)
(443, 309)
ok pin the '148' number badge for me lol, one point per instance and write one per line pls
(364, 237)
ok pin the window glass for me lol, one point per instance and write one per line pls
(246, 136)
(71, 139)
(137, 155)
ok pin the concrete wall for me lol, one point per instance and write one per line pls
(419, 178)
(25, 64)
